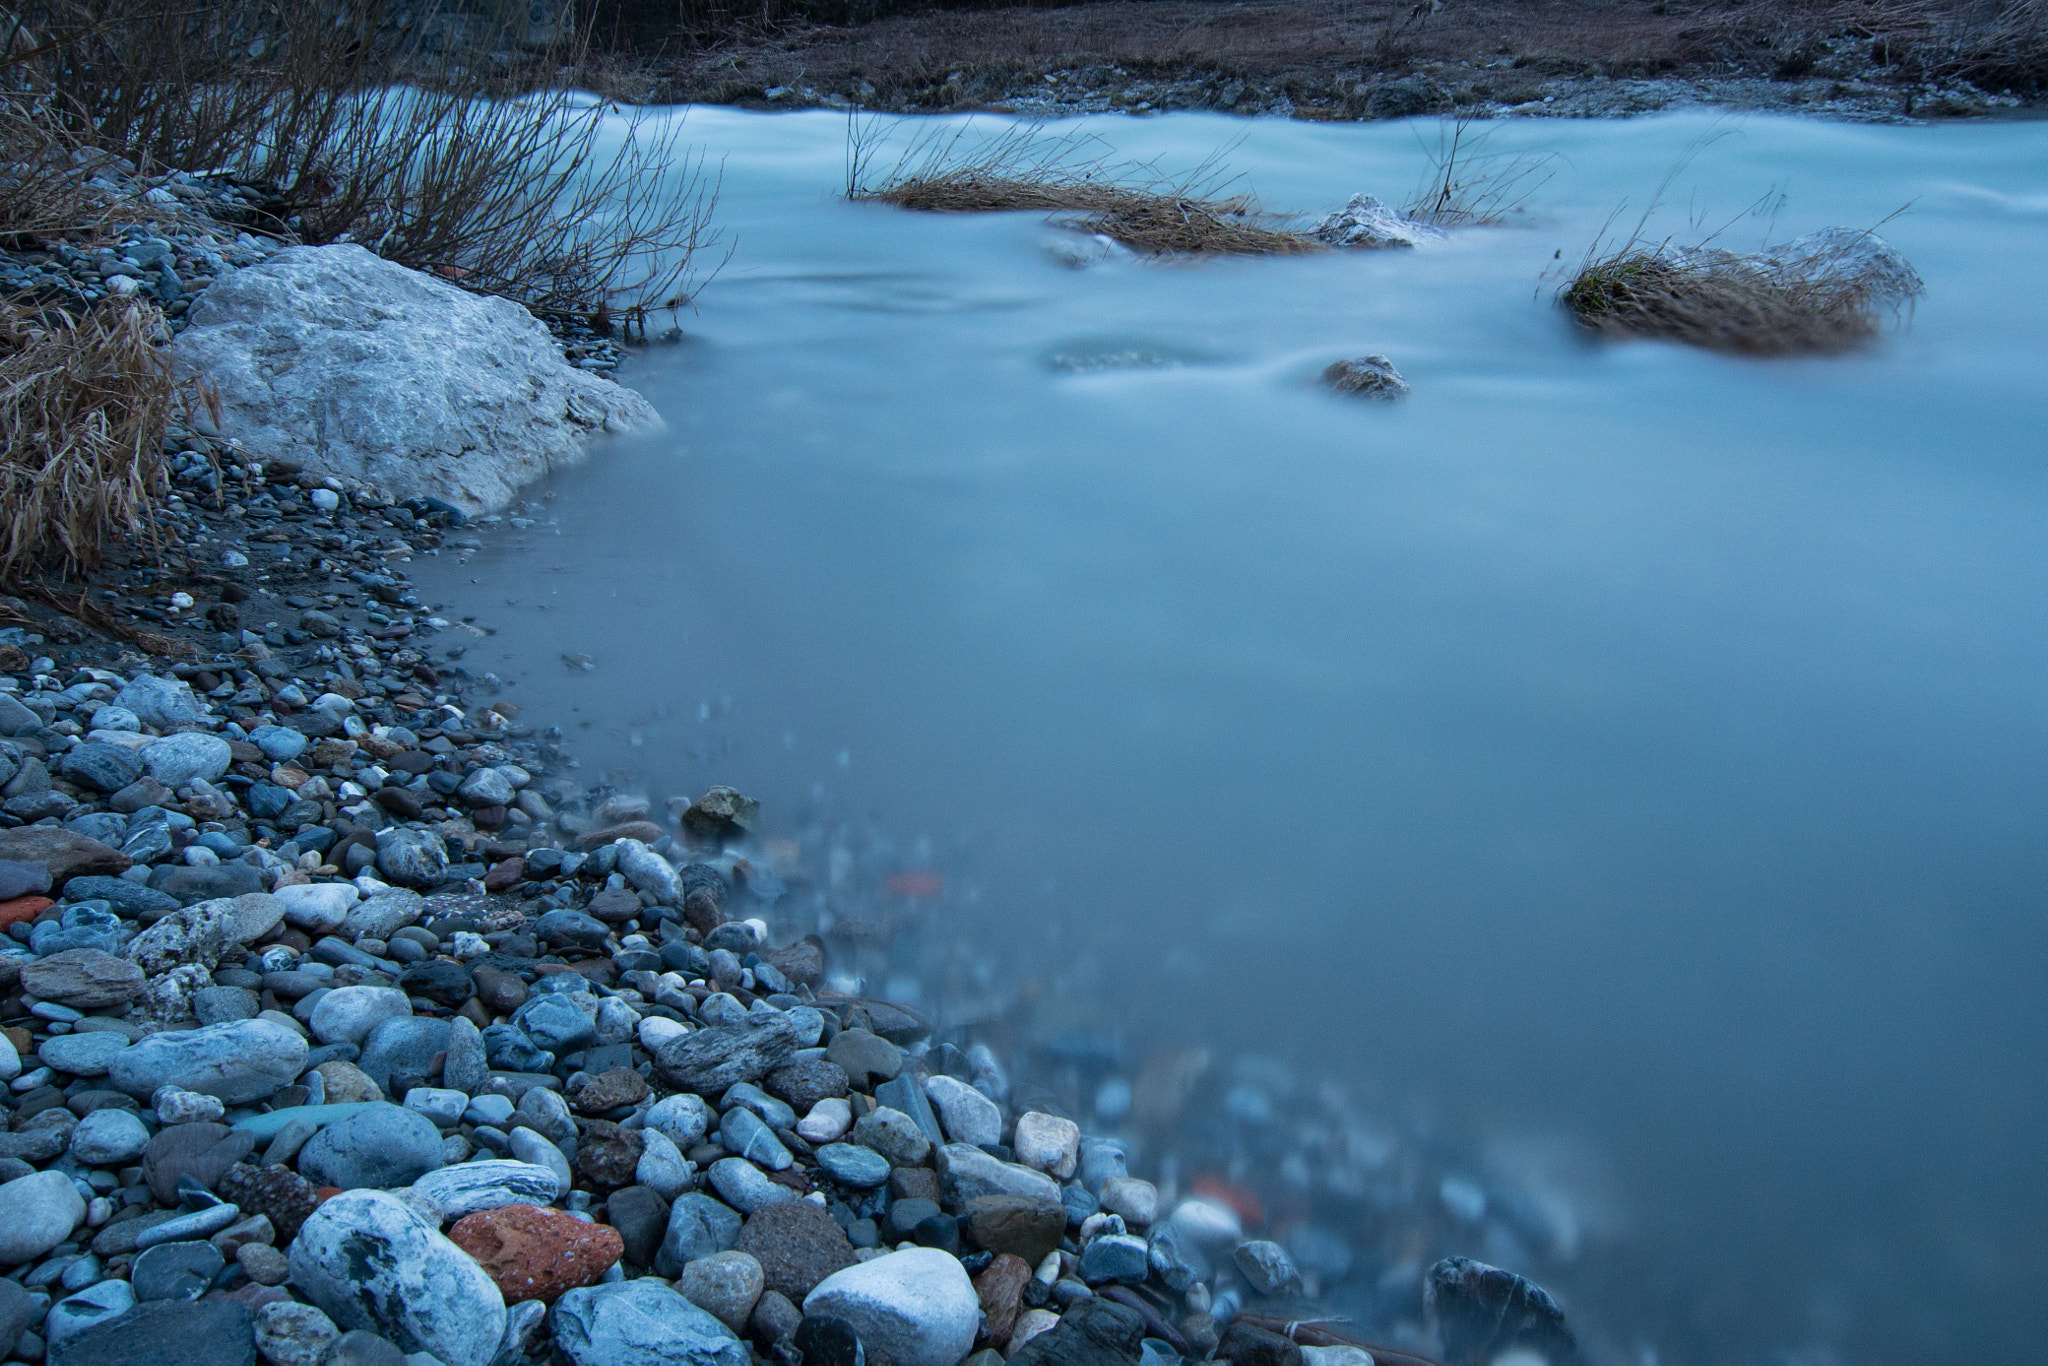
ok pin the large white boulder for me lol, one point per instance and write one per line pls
(354, 367)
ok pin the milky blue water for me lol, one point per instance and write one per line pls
(1623, 743)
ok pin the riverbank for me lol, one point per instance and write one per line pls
(1334, 60)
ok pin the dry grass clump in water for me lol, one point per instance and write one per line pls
(84, 403)
(1823, 294)
(1130, 203)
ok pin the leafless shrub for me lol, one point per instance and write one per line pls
(1469, 184)
(470, 154)
(84, 403)
(1022, 169)
(42, 191)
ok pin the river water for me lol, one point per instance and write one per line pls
(1635, 748)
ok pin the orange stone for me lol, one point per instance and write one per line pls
(23, 908)
(537, 1254)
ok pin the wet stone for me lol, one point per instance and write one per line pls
(175, 1271)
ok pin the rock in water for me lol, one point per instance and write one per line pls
(712, 1060)
(239, 1062)
(410, 383)
(1372, 377)
(1365, 222)
(370, 1262)
(641, 1323)
(1482, 1312)
(917, 1305)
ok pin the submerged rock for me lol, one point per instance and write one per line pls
(1482, 1312)
(1372, 377)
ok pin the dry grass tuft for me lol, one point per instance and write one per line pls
(1021, 169)
(84, 403)
(1788, 304)
(1471, 185)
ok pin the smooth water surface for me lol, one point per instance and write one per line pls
(1621, 742)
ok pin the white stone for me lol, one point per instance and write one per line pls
(1030, 1324)
(917, 1305)
(827, 1122)
(1135, 1200)
(318, 907)
(1048, 1144)
(439, 1104)
(1342, 1356)
(361, 369)
(370, 1262)
(1207, 1223)
(37, 1212)
(467, 1187)
(348, 1014)
(10, 1060)
(654, 1032)
(965, 1113)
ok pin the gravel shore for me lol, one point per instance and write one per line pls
(340, 1023)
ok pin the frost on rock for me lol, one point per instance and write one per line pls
(1365, 222)
(1372, 377)
(366, 371)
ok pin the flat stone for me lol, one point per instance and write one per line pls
(175, 1271)
(641, 1323)
(370, 1262)
(179, 760)
(200, 1153)
(710, 1061)
(966, 1172)
(532, 1253)
(1096, 1332)
(207, 1333)
(61, 853)
(348, 1014)
(240, 1062)
(918, 1306)
(852, 1165)
(469, 1187)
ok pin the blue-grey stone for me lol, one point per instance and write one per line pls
(509, 1049)
(745, 1186)
(697, 1227)
(1116, 1257)
(572, 929)
(778, 1113)
(280, 744)
(100, 766)
(175, 1271)
(852, 1165)
(905, 1094)
(743, 1132)
(130, 900)
(405, 1046)
(555, 1023)
(380, 1145)
(412, 858)
(82, 925)
(193, 885)
(641, 1323)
